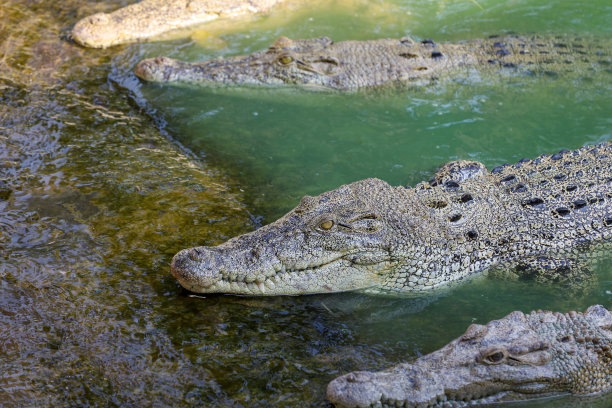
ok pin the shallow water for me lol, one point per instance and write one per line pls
(101, 197)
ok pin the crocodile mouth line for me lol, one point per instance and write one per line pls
(520, 393)
(269, 282)
(261, 284)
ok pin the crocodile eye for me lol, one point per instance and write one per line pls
(327, 224)
(285, 59)
(495, 357)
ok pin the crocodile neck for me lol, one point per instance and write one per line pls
(517, 215)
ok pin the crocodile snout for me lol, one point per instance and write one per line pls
(357, 389)
(96, 31)
(195, 268)
(153, 69)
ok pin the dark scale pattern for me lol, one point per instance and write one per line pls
(581, 345)
(530, 213)
(573, 185)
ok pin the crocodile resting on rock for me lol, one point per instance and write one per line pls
(535, 217)
(152, 18)
(518, 357)
(350, 65)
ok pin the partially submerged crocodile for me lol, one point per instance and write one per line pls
(518, 357)
(152, 18)
(536, 217)
(348, 65)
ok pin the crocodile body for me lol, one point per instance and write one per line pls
(535, 217)
(152, 18)
(519, 357)
(350, 65)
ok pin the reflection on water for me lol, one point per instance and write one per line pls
(95, 200)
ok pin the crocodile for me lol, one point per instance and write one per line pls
(519, 357)
(349, 65)
(153, 18)
(538, 218)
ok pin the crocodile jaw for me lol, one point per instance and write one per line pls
(422, 386)
(202, 270)
(229, 71)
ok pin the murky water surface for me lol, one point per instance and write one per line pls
(97, 192)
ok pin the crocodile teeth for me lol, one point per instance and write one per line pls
(270, 283)
(261, 287)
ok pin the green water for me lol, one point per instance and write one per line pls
(282, 144)
(102, 196)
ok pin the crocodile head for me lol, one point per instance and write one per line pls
(286, 61)
(515, 358)
(334, 242)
